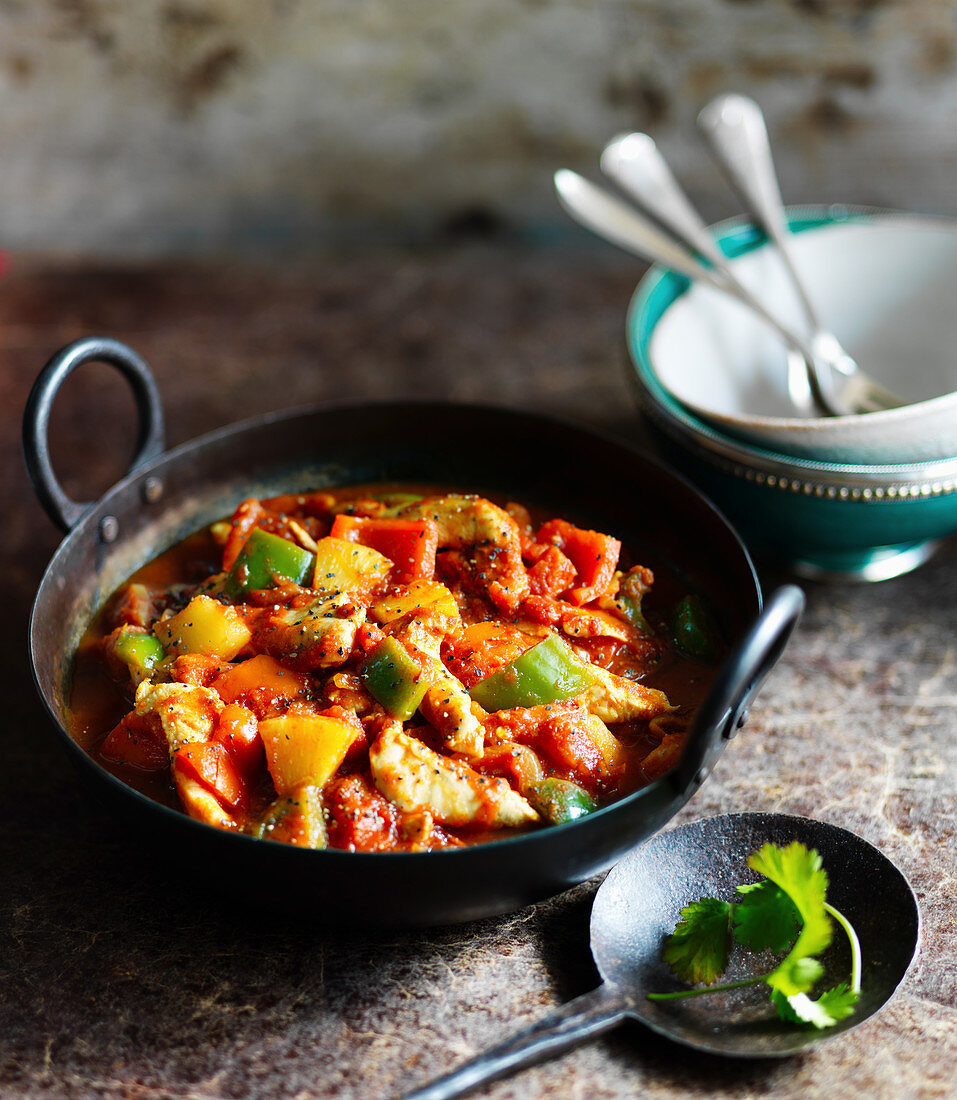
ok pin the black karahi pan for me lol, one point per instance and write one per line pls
(556, 465)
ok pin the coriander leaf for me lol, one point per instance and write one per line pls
(697, 950)
(800, 973)
(826, 1011)
(800, 874)
(840, 1001)
(765, 918)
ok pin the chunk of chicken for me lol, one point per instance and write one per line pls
(415, 778)
(495, 539)
(614, 699)
(320, 635)
(199, 803)
(446, 704)
(188, 712)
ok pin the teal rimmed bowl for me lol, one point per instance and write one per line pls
(867, 522)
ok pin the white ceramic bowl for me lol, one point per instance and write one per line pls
(886, 284)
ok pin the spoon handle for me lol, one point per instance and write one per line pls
(734, 128)
(626, 227)
(573, 1023)
(619, 223)
(634, 162)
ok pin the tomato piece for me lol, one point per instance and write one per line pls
(368, 637)
(523, 723)
(238, 732)
(410, 544)
(512, 760)
(196, 669)
(362, 820)
(552, 573)
(594, 555)
(544, 609)
(261, 683)
(137, 740)
(210, 765)
(571, 744)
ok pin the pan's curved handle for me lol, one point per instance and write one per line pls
(64, 511)
(726, 705)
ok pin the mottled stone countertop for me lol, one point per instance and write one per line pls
(116, 980)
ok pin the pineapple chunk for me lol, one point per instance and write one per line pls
(608, 745)
(204, 626)
(343, 566)
(304, 748)
(427, 601)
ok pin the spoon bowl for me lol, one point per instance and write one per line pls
(639, 904)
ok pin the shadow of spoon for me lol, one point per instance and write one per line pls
(639, 904)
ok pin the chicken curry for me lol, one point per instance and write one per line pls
(390, 670)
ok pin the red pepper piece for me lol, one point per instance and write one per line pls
(210, 765)
(410, 544)
(245, 519)
(594, 555)
(137, 740)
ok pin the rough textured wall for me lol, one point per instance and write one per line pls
(194, 125)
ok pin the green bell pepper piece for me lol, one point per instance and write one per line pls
(265, 556)
(693, 631)
(547, 673)
(631, 609)
(394, 679)
(141, 653)
(559, 800)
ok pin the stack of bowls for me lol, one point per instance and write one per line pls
(855, 497)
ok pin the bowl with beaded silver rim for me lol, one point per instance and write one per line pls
(885, 284)
(829, 519)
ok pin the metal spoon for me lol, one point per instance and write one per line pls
(634, 162)
(638, 905)
(624, 226)
(735, 131)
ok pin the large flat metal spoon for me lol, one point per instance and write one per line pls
(734, 129)
(639, 904)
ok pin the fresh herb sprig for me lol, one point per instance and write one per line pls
(787, 911)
